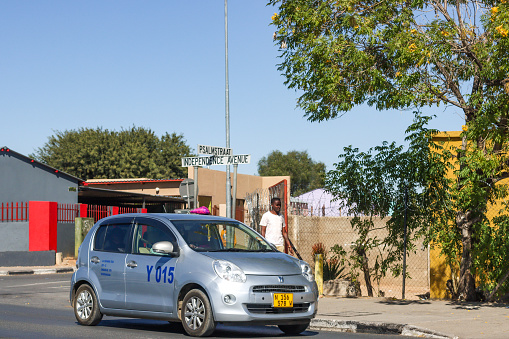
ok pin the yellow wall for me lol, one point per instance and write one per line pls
(440, 272)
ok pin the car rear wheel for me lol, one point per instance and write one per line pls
(196, 314)
(86, 308)
(294, 329)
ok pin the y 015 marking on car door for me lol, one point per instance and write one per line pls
(161, 274)
(104, 267)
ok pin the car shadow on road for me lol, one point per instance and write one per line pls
(222, 331)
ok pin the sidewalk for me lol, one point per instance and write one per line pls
(422, 318)
(416, 318)
(66, 266)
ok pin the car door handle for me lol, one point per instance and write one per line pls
(95, 260)
(132, 264)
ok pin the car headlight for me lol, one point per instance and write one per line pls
(306, 271)
(228, 271)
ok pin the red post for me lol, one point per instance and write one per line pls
(143, 210)
(114, 210)
(83, 210)
(42, 226)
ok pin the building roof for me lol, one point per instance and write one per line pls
(7, 150)
(127, 181)
(447, 136)
(322, 203)
(96, 195)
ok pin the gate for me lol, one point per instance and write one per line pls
(258, 203)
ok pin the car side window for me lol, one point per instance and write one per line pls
(147, 234)
(112, 238)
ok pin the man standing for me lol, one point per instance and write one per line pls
(272, 227)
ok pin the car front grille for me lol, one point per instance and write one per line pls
(268, 309)
(279, 289)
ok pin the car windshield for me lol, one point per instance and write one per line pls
(213, 236)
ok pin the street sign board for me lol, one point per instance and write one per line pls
(213, 150)
(217, 160)
(186, 189)
(239, 159)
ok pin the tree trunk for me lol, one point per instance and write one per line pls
(365, 269)
(466, 286)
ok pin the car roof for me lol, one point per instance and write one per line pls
(173, 216)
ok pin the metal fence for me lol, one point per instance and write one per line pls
(14, 211)
(305, 232)
(19, 211)
(313, 220)
(68, 212)
(98, 212)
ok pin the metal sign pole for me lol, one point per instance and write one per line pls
(195, 188)
(227, 111)
(187, 195)
(234, 191)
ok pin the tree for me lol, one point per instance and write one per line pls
(305, 174)
(400, 185)
(401, 54)
(99, 154)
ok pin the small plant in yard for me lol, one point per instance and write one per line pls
(318, 248)
(333, 268)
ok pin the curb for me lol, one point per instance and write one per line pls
(375, 328)
(37, 271)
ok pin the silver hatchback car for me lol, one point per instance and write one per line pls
(196, 269)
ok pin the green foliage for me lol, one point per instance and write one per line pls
(305, 174)
(98, 154)
(388, 181)
(392, 54)
(346, 259)
(478, 241)
(333, 268)
(492, 257)
(395, 55)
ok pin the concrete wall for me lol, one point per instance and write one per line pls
(212, 183)
(14, 236)
(65, 239)
(16, 258)
(23, 181)
(308, 231)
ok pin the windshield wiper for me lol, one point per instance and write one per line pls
(241, 250)
(234, 250)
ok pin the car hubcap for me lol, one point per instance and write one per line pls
(194, 313)
(84, 305)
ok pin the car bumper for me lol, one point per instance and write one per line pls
(71, 291)
(253, 300)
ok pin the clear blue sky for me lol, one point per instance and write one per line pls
(160, 65)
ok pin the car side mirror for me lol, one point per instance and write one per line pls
(164, 247)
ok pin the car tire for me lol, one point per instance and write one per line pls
(86, 307)
(196, 314)
(294, 329)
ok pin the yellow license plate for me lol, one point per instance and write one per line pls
(283, 300)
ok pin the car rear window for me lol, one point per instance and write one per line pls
(112, 238)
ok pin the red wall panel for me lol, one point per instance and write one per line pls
(42, 226)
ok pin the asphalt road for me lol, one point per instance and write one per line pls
(38, 306)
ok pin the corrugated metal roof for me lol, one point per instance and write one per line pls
(126, 181)
(7, 150)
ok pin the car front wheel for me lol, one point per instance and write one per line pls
(196, 314)
(86, 308)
